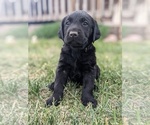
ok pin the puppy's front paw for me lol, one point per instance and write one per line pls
(49, 102)
(52, 101)
(87, 99)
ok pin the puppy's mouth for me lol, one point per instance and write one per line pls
(76, 44)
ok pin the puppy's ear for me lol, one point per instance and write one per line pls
(96, 32)
(61, 29)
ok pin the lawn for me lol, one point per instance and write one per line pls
(13, 82)
(26, 69)
(136, 83)
(123, 89)
(43, 58)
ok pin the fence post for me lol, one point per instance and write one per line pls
(56, 7)
(85, 4)
(39, 9)
(93, 5)
(69, 6)
(77, 4)
(50, 7)
(120, 21)
(62, 8)
(98, 11)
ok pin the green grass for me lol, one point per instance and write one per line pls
(136, 82)
(43, 59)
(123, 87)
(13, 82)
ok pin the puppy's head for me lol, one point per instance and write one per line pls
(79, 29)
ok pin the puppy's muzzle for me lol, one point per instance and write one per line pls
(75, 38)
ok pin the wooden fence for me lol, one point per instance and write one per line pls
(12, 11)
(57, 9)
(108, 12)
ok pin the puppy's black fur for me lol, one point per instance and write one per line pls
(77, 61)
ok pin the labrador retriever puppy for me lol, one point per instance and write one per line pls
(77, 61)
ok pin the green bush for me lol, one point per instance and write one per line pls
(51, 30)
(18, 31)
(104, 31)
(126, 31)
(47, 30)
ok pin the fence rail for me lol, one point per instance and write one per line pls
(107, 12)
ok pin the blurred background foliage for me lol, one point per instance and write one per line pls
(17, 31)
(51, 30)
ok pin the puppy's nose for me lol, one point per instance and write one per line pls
(73, 34)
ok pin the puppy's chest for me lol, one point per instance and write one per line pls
(78, 60)
(76, 55)
(76, 69)
(77, 64)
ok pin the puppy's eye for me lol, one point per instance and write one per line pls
(85, 23)
(68, 22)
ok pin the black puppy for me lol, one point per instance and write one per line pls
(77, 61)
